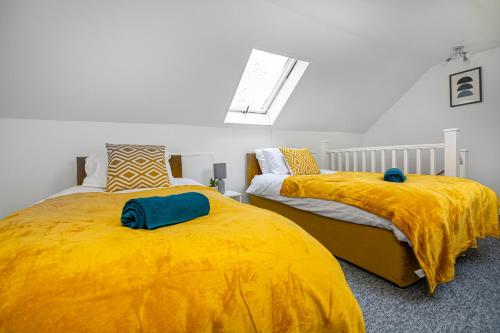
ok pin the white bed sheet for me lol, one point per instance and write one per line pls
(268, 186)
(89, 189)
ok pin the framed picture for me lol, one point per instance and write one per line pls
(465, 87)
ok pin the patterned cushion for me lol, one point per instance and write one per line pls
(300, 161)
(136, 166)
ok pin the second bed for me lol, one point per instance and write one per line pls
(350, 233)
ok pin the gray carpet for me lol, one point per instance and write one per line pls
(470, 303)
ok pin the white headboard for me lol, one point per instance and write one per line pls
(197, 165)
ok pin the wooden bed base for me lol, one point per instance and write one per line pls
(373, 249)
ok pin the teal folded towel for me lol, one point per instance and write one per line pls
(394, 175)
(155, 212)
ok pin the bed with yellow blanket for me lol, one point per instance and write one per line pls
(441, 216)
(67, 265)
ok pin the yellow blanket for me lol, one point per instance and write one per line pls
(67, 265)
(441, 216)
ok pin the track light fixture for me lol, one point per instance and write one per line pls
(458, 52)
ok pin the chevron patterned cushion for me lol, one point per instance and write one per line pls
(136, 166)
(300, 161)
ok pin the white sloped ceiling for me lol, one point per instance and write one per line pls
(181, 61)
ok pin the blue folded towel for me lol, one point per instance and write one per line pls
(155, 212)
(394, 175)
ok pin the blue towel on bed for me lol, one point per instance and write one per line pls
(155, 212)
(394, 175)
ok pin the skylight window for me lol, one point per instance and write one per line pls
(262, 79)
(264, 88)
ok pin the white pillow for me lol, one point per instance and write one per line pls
(261, 159)
(96, 169)
(276, 161)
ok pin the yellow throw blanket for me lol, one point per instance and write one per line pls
(441, 216)
(67, 265)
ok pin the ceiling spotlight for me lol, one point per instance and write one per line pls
(458, 52)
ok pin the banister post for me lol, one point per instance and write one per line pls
(451, 151)
(323, 158)
(464, 163)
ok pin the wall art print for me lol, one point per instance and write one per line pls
(465, 87)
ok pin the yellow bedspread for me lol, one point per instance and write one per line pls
(441, 216)
(67, 265)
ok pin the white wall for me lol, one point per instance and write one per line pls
(38, 156)
(424, 110)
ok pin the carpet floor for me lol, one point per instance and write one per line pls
(470, 303)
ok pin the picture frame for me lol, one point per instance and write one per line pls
(466, 87)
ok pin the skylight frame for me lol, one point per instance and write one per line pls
(290, 65)
(287, 70)
(292, 72)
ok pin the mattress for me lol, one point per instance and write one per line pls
(268, 186)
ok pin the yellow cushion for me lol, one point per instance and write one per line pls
(300, 161)
(136, 166)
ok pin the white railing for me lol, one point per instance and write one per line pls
(365, 158)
